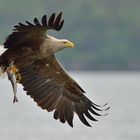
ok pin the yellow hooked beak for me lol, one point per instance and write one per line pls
(69, 44)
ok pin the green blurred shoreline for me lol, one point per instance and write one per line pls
(105, 32)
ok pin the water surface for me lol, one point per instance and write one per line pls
(24, 120)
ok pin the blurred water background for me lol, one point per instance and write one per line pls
(105, 62)
(26, 121)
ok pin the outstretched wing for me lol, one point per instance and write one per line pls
(53, 89)
(33, 33)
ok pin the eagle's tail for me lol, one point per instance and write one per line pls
(2, 61)
(2, 49)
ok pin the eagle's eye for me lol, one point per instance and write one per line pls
(65, 42)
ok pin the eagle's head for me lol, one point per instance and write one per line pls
(54, 45)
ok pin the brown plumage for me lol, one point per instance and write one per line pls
(32, 53)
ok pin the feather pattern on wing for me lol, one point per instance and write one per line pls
(56, 91)
(27, 32)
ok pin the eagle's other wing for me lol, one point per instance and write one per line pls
(36, 32)
(53, 89)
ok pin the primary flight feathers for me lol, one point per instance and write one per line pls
(22, 31)
(54, 23)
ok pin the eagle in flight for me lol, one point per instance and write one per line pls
(30, 60)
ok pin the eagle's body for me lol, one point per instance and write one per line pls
(31, 53)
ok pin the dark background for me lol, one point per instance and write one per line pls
(106, 33)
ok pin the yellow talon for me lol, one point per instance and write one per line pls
(18, 77)
(13, 70)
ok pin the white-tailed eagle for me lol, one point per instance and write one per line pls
(30, 60)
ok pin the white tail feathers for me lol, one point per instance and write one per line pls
(2, 50)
